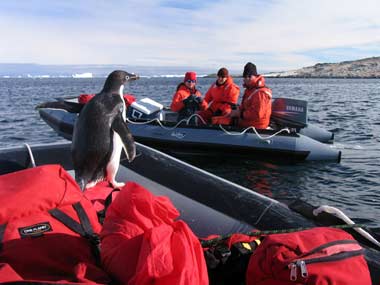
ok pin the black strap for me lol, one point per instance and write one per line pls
(108, 200)
(90, 235)
(84, 220)
(2, 231)
(83, 228)
(107, 203)
(68, 221)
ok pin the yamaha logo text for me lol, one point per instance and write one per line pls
(294, 108)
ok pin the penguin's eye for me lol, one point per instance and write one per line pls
(126, 77)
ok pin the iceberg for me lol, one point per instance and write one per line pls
(82, 75)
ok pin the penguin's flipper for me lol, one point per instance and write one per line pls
(121, 128)
(70, 107)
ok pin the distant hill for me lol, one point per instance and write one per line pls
(362, 68)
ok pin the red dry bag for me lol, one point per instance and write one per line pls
(323, 256)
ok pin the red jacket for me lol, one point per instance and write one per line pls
(221, 97)
(256, 106)
(182, 93)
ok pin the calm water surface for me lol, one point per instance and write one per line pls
(349, 107)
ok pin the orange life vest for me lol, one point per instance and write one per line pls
(222, 97)
(256, 106)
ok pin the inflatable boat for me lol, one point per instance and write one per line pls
(207, 203)
(162, 131)
(286, 113)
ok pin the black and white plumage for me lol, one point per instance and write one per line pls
(100, 134)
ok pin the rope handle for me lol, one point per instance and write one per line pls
(220, 126)
(255, 131)
(167, 128)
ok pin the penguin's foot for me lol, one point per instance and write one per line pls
(91, 184)
(117, 184)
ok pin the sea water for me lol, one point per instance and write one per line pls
(348, 107)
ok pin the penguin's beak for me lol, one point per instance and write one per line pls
(132, 76)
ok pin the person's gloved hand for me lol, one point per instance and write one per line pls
(218, 113)
(189, 99)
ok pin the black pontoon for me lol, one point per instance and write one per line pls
(209, 204)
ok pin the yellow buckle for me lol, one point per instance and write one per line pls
(246, 245)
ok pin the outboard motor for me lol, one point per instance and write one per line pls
(292, 113)
(289, 113)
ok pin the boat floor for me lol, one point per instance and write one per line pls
(204, 221)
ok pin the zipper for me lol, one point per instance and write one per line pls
(340, 250)
(302, 265)
(293, 269)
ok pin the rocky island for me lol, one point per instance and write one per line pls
(362, 68)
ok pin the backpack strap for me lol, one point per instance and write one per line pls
(83, 228)
(107, 203)
(2, 231)
(68, 221)
(84, 220)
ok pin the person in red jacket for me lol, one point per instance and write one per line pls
(256, 106)
(187, 100)
(221, 97)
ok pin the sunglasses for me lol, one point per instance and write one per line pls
(191, 81)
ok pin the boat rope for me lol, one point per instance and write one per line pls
(203, 121)
(255, 131)
(263, 213)
(164, 127)
(122, 158)
(214, 241)
(339, 214)
(32, 161)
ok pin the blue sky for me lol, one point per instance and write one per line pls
(275, 34)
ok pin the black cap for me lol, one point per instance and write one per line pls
(249, 69)
(223, 72)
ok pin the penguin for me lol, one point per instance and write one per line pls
(100, 134)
